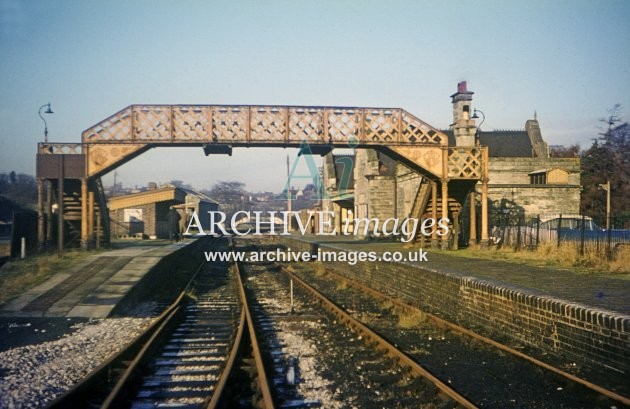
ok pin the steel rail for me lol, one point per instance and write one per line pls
(440, 321)
(391, 350)
(83, 389)
(117, 395)
(219, 388)
(263, 382)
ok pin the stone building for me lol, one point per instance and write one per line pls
(523, 180)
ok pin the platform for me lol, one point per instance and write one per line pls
(93, 287)
(596, 290)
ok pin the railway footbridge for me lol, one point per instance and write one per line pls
(69, 174)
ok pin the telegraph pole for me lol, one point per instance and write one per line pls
(289, 195)
(606, 187)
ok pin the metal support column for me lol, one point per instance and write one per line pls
(484, 200)
(84, 214)
(99, 228)
(90, 219)
(434, 215)
(444, 240)
(60, 188)
(473, 218)
(40, 214)
(49, 213)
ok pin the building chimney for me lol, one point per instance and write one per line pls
(463, 126)
(461, 87)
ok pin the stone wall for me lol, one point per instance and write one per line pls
(568, 331)
(366, 164)
(382, 197)
(510, 190)
(516, 170)
(532, 200)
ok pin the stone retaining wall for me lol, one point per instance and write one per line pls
(567, 330)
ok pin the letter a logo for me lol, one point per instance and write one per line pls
(313, 174)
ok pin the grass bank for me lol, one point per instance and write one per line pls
(567, 256)
(20, 275)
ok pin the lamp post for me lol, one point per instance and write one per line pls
(606, 187)
(475, 116)
(47, 111)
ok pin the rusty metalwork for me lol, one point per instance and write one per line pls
(465, 163)
(244, 124)
(137, 353)
(137, 128)
(59, 148)
(262, 380)
(90, 385)
(464, 331)
(402, 358)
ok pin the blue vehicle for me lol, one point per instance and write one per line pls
(570, 229)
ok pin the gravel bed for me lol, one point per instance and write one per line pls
(490, 378)
(319, 362)
(32, 376)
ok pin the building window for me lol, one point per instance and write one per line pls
(555, 176)
(538, 178)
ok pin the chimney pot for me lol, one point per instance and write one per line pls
(461, 87)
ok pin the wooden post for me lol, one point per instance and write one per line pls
(40, 214)
(473, 218)
(434, 241)
(444, 241)
(60, 188)
(90, 219)
(84, 214)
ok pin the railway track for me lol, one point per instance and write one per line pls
(186, 358)
(489, 373)
(236, 337)
(361, 368)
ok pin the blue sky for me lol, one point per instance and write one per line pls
(568, 60)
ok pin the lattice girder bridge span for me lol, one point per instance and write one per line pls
(138, 128)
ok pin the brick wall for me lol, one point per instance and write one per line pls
(568, 331)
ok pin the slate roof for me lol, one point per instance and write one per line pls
(502, 143)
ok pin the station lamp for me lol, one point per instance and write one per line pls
(47, 111)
